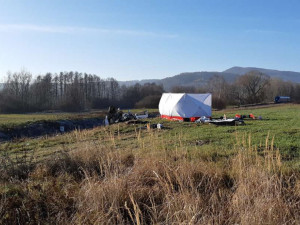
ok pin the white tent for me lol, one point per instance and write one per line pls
(185, 106)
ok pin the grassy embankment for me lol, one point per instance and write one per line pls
(15, 120)
(188, 173)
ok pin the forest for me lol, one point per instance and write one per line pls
(70, 91)
(74, 91)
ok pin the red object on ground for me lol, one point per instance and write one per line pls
(237, 116)
(252, 116)
(192, 119)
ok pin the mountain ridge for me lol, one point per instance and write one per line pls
(201, 78)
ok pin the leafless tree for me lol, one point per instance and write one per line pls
(252, 87)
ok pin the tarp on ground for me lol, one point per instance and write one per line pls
(182, 106)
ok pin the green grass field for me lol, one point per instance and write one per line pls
(205, 140)
(281, 123)
(13, 120)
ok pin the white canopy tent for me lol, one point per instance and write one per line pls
(185, 106)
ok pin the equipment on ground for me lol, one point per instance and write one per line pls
(227, 122)
(116, 115)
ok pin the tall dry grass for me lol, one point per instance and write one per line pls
(101, 183)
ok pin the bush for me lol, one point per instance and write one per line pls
(218, 103)
(9, 104)
(71, 106)
(151, 101)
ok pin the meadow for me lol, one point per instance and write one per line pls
(14, 120)
(186, 173)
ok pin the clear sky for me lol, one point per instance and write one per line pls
(139, 39)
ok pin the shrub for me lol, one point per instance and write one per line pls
(218, 103)
(151, 101)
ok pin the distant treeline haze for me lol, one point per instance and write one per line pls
(74, 91)
(250, 88)
(71, 91)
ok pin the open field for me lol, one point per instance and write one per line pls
(185, 174)
(13, 120)
(10, 121)
(281, 122)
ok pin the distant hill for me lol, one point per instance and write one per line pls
(201, 78)
(184, 79)
(284, 75)
(133, 82)
(193, 79)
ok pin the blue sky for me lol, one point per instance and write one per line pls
(140, 39)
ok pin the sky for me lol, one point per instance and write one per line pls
(147, 39)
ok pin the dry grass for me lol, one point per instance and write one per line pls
(100, 183)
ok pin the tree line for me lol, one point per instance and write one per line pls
(74, 91)
(251, 88)
(71, 91)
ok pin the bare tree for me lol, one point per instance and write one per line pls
(71, 91)
(252, 87)
(218, 86)
(17, 91)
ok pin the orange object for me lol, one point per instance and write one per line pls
(237, 116)
(252, 116)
